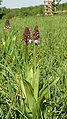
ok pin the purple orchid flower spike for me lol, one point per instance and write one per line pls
(36, 35)
(7, 24)
(26, 35)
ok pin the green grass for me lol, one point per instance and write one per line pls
(51, 59)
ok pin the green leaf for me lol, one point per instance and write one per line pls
(29, 94)
(44, 91)
(36, 84)
(29, 78)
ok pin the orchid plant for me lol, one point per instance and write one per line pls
(7, 24)
(35, 36)
(27, 38)
(30, 85)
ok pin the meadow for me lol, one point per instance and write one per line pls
(47, 99)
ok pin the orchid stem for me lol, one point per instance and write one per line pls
(26, 59)
(35, 48)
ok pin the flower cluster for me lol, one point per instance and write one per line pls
(7, 24)
(26, 35)
(35, 34)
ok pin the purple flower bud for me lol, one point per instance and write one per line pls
(35, 34)
(7, 24)
(26, 35)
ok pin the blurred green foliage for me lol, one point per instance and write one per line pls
(29, 11)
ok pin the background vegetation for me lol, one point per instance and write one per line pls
(16, 94)
(30, 11)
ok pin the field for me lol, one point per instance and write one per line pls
(47, 99)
